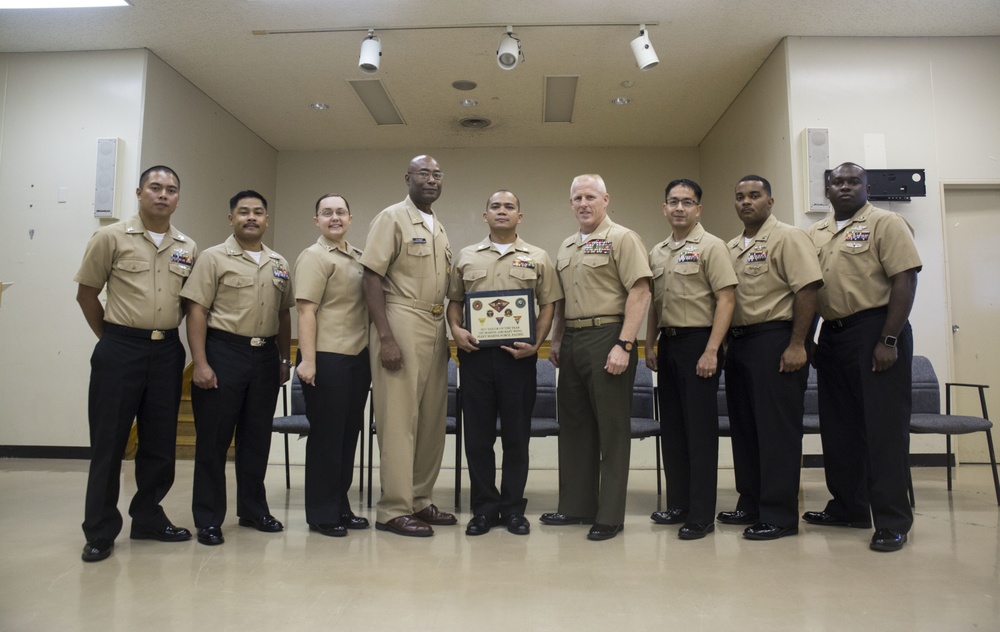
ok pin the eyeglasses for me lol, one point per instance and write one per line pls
(330, 213)
(423, 174)
(686, 203)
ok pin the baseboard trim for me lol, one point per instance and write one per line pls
(916, 460)
(44, 452)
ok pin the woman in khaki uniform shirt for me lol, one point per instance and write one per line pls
(332, 365)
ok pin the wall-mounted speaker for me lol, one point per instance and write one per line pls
(817, 163)
(108, 167)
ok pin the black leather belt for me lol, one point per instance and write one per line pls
(759, 328)
(145, 334)
(241, 341)
(672, 332)
(857, 317)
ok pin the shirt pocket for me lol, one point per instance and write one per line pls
(524, 274)
(420, 264)
(855, 259)
(178, 275)
(280, 284)
(133, 265)
(236, 291)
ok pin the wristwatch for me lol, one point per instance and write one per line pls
(287, 363)
(889, 341)
(626, 345)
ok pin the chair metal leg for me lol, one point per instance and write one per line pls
(659, 470)
(909, 480)
(371, 444)
(947, 443)
(993, 464)
(288, 478)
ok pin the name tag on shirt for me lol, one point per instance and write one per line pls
(419, 240)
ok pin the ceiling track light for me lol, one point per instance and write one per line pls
(371, 53)
(642, 49)
(509, 51)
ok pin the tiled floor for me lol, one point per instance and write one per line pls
(946, 578)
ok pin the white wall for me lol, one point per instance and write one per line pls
(751, 137)
(54, 107)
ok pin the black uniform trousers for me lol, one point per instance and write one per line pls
(243, 402)
(864, 422)
(689, 414)
(495, 384)
(335, 407)
(132, 378)
(595, 428)
(765, 414)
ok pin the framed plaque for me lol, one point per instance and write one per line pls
(501, 317)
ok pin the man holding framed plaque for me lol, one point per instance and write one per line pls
(494, 287)
(605, 274)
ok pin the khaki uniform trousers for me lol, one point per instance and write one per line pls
(410, 408)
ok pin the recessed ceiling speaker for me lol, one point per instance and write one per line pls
(509, 51)
(371, 53)
(642, 49)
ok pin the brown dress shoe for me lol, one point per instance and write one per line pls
(406, 525)
(431, 515)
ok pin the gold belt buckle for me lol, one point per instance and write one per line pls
(157, 335)
(258, 342)
(437, 310)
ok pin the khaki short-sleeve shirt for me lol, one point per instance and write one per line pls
(858, 260)
(687, 275)
(598, 273)
(243, 297)
(330, 276)
(481, 268)
(779, 262)
(144, 281)
(413, 262)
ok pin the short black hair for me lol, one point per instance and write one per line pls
(249, 193)
(763, 181)
(691, 184)
(330, 195)
(503, 191)
(145, 174)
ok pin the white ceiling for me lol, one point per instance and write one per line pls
(708, 50)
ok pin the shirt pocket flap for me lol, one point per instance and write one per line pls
(237, 281)
(473, 275)
(133, 265)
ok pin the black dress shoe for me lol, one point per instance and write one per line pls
(670, 516)
(97, 550)
(169, 533)
(886, 540)
(351, 521)
(824, 519)
(605, 531)
(332, 530)
(736, 517)
(210, 536)
(266, 523)
(560, 520)
(765, 531)
(695, 531)
(480, 524)
(518, 524)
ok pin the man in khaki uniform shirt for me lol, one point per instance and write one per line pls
(500, 380)
(407, 263)
(605, 276)
(864, 361)
(767, 366)
(239, 329)
(692, 306)
(137, 365)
